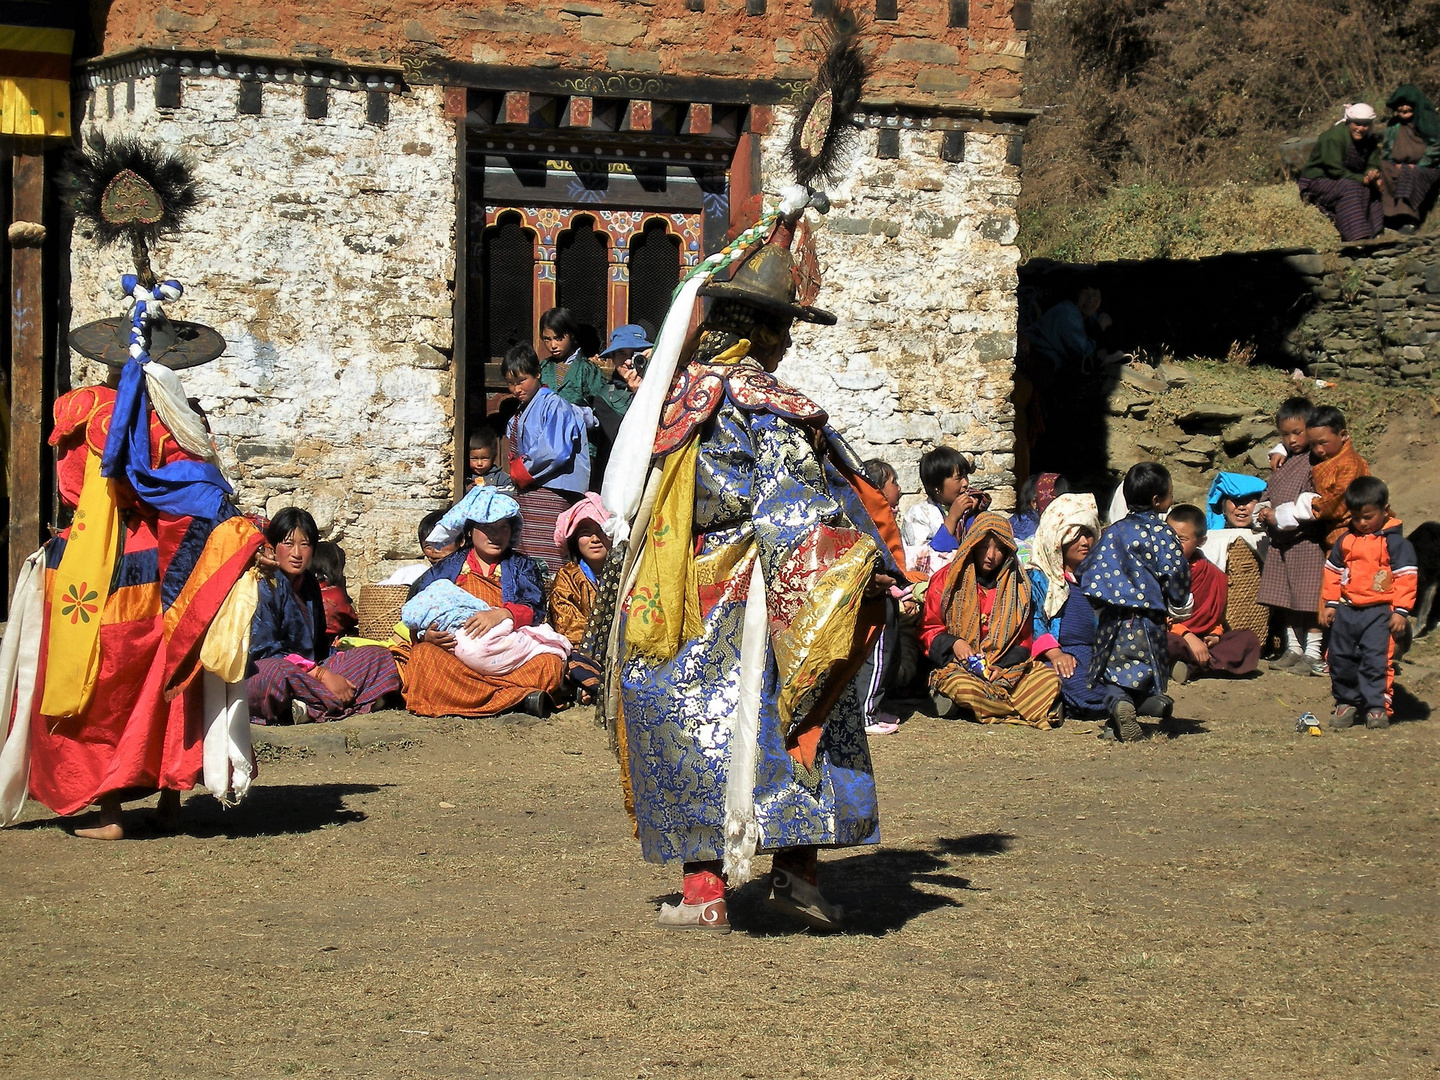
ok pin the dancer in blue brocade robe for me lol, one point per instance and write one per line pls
(756, 594)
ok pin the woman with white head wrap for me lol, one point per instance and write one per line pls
(1342, 176)
(1064, 619)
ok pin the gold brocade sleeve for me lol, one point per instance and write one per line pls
(664, 605)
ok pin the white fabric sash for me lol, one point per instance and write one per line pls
(19, 668)
(742, 831)
(167, 398)
(227, 758)
(635, 442)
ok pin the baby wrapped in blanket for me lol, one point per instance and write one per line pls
(498, 651)
(447, 606)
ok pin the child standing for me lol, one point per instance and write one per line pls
(1370, 579)
(1334, 464)
(549, 455)
(1290, 578)
(1137, 576)
(482, 461)
(1201, 643)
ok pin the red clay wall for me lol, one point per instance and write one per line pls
(918, 58)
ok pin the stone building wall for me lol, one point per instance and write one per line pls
(919, 262)
(324, 252)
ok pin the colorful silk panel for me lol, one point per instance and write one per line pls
(760, 491)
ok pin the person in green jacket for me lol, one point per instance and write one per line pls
(1342, 176)
(1410, 158)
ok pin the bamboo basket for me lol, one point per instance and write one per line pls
(378, 609)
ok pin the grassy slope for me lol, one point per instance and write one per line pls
(1157, 221)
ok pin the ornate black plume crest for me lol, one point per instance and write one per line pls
(823, 130)
(131, 190)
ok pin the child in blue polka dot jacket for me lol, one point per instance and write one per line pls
(1137, 578)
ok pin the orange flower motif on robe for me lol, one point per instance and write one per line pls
(79, 603)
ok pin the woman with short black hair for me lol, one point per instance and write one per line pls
(294, 676)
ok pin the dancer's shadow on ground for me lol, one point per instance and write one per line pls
(276, 810)
(881, 889)
(271, 810)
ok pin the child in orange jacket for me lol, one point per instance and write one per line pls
(1369, 589)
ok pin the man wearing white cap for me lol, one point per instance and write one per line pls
(1342, 175)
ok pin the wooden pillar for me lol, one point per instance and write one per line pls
(27, 346)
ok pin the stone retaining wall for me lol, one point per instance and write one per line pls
(1376, 314)
(1368, 311)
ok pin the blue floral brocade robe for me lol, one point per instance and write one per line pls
(760, 486)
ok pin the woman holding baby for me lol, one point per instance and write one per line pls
(509, 587)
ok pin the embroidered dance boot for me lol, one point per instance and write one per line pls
(795, 890)
(702, 903)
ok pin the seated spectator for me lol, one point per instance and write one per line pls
(1066, 334)
(328, 563)
(931, 530)
(484, 522)
(1232, 501)
(293, 674)
(1410, 158)
(978, 631)
(1342, 176)
(411, 572)
(1200, 643)
(1236, 544)
(882, 475)
(1064, 620)
(1036, 493)
(580, 531)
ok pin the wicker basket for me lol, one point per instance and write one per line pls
(378, 609)
(1242, 576)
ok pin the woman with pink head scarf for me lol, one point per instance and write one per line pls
(580, 532)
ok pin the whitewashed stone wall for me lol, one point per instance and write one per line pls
(324, 252)
(919, 263)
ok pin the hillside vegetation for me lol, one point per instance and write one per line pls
(1161, 119)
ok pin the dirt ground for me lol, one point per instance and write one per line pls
(405, 898)
(401, 897)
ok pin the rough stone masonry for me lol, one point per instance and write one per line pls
(323, 251)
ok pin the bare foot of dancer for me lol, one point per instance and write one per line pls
(167, 812)
(109, 827)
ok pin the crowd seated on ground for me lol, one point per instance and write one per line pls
(1045, 616)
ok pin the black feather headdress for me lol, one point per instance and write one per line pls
(823, 130)
(132, 190)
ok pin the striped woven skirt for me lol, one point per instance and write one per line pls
(1407, 188)
(539, 510)
(1352, 206)
(278, 681)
